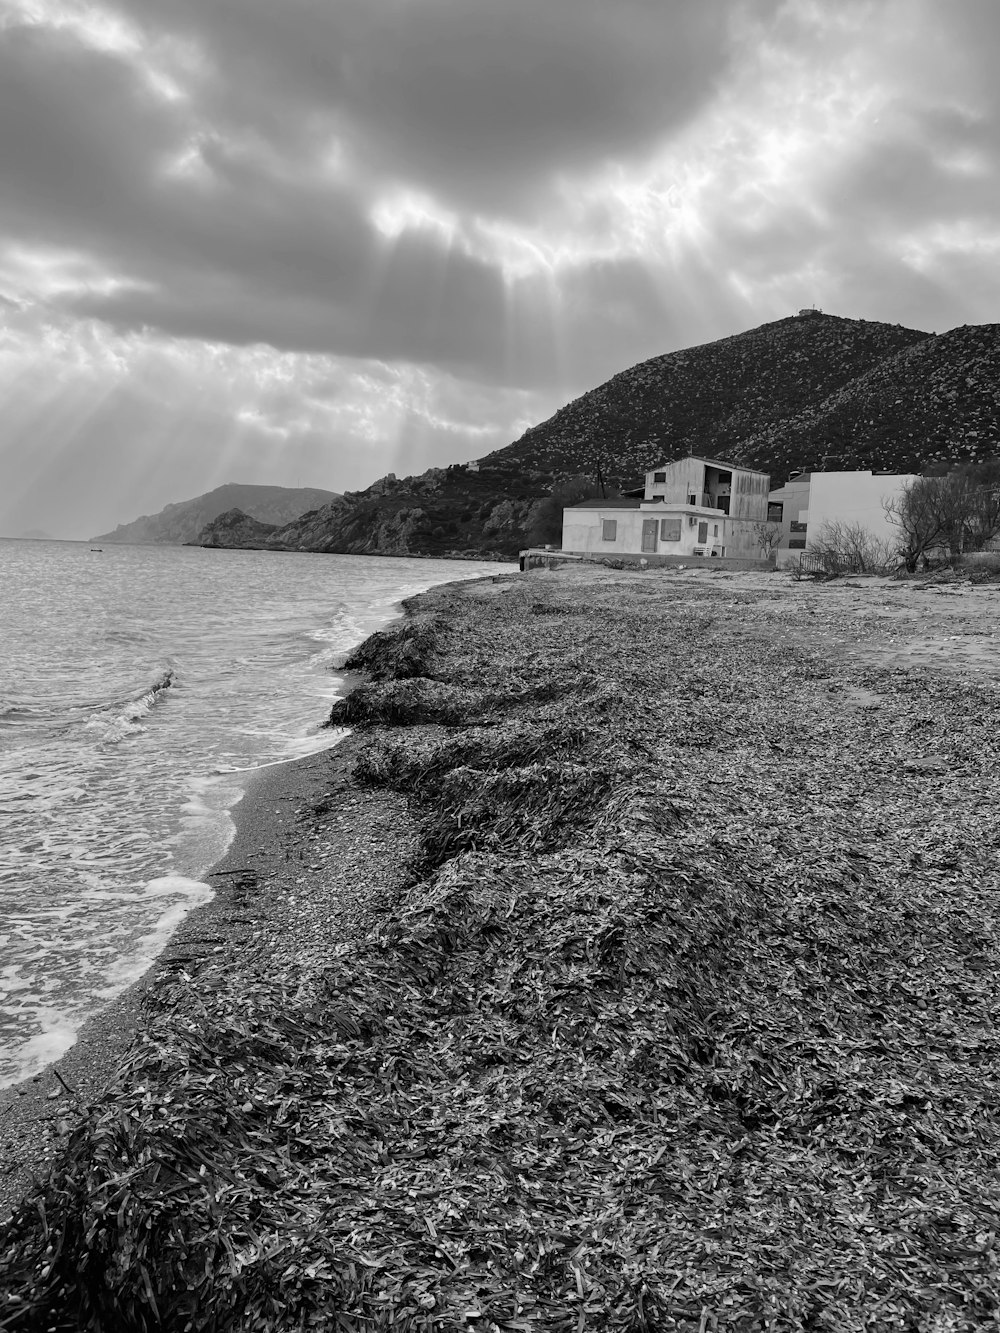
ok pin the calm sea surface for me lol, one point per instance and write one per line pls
(138, 686)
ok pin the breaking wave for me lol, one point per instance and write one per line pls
(135, 697)
(124, 718)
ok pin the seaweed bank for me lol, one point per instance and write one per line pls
(666, 1002)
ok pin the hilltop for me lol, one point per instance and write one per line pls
(709, 399)
(934, 404)
(183, 521)
(810, 391)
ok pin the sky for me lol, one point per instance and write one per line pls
(310, 242)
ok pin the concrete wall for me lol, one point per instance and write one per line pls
(738, 491)
(853, 497)
(818, 498)
(534, 559)
(583, 530)
(749, 499)
(684, 477)
(794, 500)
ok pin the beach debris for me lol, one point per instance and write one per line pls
(686, 1017)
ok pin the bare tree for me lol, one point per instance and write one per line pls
(851, 548)
(983, 520)
(960, 511)
(956, 499)
(917, 515)
(768, 536)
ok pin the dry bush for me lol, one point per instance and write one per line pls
(851, 548)
(982, 566)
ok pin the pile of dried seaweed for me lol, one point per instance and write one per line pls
(402, 651)
(687, 1019)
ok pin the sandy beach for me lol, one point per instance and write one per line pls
(791, 785)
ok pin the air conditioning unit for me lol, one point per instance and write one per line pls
(691, 520)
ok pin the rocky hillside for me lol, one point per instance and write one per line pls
(184, 521)
(934, 404)
(708, 399)
(450, 512)
(811, 391)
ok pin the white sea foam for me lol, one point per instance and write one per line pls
(48, 1045)
(183, 895)
(148, 685)
(120, 720)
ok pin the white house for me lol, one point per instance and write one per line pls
(810, 500)
(690, 508)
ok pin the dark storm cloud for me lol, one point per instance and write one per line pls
(242, 244)
(76, 139)
(480, 102)
(416, 302)
(86, 151)
(512, 199)
(241, 209)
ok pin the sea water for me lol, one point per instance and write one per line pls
(139, 685)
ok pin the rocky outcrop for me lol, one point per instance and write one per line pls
(236, 529)
(443, 512)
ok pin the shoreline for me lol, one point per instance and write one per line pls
(38, 1112)
(693, 965)
(31, 1110)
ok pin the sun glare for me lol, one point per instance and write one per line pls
(406, 211)
(47, 273)
(101, 28)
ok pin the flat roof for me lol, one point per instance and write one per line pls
(619, 502)
(712, 462)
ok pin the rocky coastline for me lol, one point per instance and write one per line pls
(630, 966)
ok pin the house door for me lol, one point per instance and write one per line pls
(649, 526)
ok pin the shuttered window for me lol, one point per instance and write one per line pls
(609, 529)
(670, 529)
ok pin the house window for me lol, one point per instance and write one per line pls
(670, 529)
(609, 530)
(715, 529)
(775, 512)
(702, 533)
(798, 527)
(692, 498)
(659, 477)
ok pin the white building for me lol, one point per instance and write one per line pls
(809, 501)
(690, 508)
